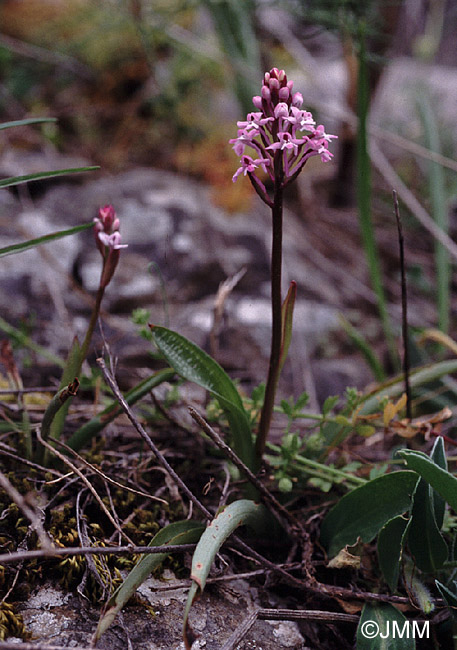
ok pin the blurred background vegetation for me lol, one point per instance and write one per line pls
(161, 82)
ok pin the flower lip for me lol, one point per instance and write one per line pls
(113, 241)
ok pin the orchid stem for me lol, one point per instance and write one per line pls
(92, 323)
(276, 333)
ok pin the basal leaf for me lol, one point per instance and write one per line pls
(193, 364)
(364, 511)
(383, 627)
(240, 513)
(180, 532)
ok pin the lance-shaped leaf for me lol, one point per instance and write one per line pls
(38, 176)
(364, 511)
(239, 513)
(45, 239)
(193, 364)
(377, 629)
(180, 532)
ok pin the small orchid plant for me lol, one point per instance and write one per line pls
(108, 241)
(283, 137)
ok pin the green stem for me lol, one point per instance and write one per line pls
(276, 303)
(91, 327)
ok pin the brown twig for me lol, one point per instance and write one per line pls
(20, 556)
(404, 307)
(285, 615)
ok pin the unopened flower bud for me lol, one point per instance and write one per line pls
(257, 101)
(297, 99)
(284, 94)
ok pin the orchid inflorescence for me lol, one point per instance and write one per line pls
(282, 135)
(108, 240)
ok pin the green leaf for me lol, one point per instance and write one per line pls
(440, 479)
(30, 120)
(193, 364)
(72, 369)
(381, 627)
(180, 532)
(92, 428)
(364, 511)
(239, 513)
(18, 180)
(425, 541)
(287, 314)
(45, 239)
(390, 546)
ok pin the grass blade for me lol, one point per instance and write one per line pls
(439, 210)
(29, 120)
(364, 198)
(45, 239)
(18, 180)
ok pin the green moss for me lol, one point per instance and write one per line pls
(11, 623)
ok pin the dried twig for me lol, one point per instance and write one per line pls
(225, 289)
(20, 556)
(285, 615)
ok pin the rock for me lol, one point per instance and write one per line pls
(63, 619)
